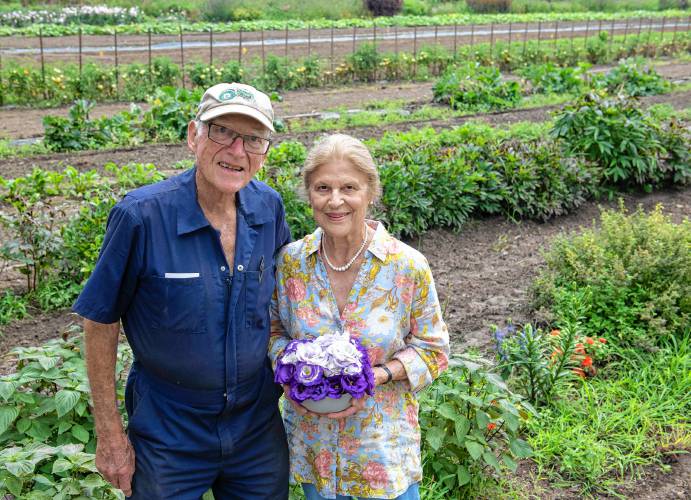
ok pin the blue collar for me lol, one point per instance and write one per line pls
(190, 216)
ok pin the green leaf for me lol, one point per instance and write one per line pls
(447, 410)
(7, 415)
(511, 421)
(14, 485)
(61, 465)
(7, 389)
(482, 420)
(80, 433)
(463, 475)
(510, 462)
(47, 362)
(520, 448)
(23, 425)
(20, 468)
(43, 480)
(475, 449)
(39, 430)
(92, 481)
(461, 427)
(64, 426)
(435, 437)
(490, 459)
(65, 401)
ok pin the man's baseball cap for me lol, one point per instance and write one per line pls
(236, 98)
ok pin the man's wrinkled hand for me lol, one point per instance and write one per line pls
(115, 461)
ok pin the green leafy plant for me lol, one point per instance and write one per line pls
(45, 424)
(615, 134)
(470, 421)
(634, 272)
(632, 77)
(478, 88)
(551, 79)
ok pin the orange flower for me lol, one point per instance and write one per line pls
(554, 333)
(579, 372)
(589, 341)
(587, 362)
(579, 349)
(602, 340)
(491, 426)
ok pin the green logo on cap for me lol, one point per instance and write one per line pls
(230, 94)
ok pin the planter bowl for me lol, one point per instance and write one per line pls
(328, 405)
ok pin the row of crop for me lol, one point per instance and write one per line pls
(585, 393)
(596, 147)
(467, 88)
(61, 84)
(173, 27)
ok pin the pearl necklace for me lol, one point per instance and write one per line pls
(348, 264)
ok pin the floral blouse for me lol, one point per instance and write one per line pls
(394, 310)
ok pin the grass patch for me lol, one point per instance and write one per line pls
(628, 417)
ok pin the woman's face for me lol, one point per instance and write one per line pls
(339, 195)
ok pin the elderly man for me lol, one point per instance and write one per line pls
(187, 264)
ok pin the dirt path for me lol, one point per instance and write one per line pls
(22, 123)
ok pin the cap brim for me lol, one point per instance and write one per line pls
(236, 109)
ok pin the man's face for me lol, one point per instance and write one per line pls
(225, 169)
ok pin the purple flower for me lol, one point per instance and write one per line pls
(355, 385)
(308, 374)
(299, 392)
(284, 373)
(320, 391)
(335, 389)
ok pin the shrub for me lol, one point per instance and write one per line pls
(365, 61)
(634, 272)
(539, 182)
(477, 88)
(632, 78)
(470, 422)
(489, 6)
(384, 7)
(615, 134)
(548, 78)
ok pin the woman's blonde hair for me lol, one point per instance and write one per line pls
(342, 147)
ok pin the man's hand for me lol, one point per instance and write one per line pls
(115, 461)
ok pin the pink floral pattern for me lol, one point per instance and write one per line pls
(394, 310)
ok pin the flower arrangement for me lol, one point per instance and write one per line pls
(329, 366)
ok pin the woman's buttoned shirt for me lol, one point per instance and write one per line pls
(394, 310)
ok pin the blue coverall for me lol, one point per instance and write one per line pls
(200, 395)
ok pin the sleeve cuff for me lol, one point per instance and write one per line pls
(418, 374)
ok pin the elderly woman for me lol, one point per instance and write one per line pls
(350, 275)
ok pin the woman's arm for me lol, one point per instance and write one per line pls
(427, 351)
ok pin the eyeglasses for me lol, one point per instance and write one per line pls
(252, 144)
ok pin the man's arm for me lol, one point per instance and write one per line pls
(114, 453)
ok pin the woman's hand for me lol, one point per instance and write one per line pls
(301, 410)
(356, 405)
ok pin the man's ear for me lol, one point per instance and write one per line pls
(192, 136)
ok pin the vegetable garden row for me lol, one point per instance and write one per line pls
(48, 85)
